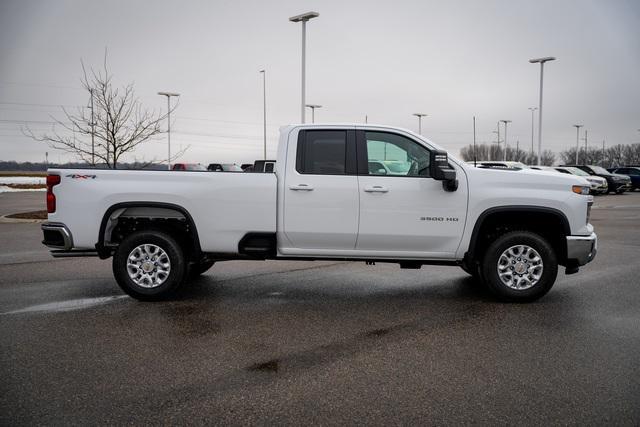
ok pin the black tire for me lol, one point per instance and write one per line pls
(515, 238)
(177, 272)
(198, 268)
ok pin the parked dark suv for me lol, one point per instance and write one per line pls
(632, 172)
(616, 182)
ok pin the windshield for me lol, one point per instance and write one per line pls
(576, 171)
(197, 167)
(599, 170)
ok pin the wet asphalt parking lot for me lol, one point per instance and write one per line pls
(318, 342)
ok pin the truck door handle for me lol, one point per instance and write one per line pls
(376, 189)
(301, 187)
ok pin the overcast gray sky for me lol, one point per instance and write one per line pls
(384, 59)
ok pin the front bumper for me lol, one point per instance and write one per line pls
(599, 188)
(582, 249)
(623, 186)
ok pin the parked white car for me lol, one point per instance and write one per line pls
(598, 185)
(511, 229)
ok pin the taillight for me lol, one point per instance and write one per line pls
(52, 180)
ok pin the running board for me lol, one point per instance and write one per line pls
(76, 253)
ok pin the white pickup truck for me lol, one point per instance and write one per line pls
(341, 192)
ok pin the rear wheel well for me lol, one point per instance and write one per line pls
(550, 224)
(122, 220)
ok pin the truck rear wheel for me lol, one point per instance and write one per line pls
(520, 266)
(149, 265)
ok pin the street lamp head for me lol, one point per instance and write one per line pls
(304, 17)
(420, 114)
(533, 108)
(577, 126)
(505, 121)
(262, 71)
(545, 59)
(168, 94)
(313, 106)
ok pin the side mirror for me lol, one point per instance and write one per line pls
(441, 171)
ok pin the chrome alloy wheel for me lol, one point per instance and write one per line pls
(520, 267)
(148, 266)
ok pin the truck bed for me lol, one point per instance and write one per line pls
(223, 205)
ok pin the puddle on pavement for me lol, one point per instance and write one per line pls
(378, 332)
(269, 366)
(59, 306)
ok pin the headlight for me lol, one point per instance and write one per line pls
(580, 189)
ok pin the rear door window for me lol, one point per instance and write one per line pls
(322, 152)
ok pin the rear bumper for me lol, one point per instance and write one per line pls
(582, 250)
(57, 236)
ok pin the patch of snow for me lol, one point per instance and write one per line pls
(5, 189)
(22, 180)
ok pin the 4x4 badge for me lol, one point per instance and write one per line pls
(76, 176)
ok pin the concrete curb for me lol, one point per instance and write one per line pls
(5, 220)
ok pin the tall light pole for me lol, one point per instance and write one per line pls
(475, 155)
(532, 109)
(303, 18)
(577, 140)
(264, 108)
(498, 132)
(93, 131)
(541, 61)
(313, 111)
(506, 122)
(168, 95)
(420, 116)
(586, 152)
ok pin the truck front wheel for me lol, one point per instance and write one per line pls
(520, 266)
(149, 265)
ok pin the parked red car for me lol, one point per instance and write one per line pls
(188, 167)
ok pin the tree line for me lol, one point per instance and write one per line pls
(610, 157)
(614, 156)
(12, 165)
(485, 152)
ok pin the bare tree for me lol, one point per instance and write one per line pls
(118, 125)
